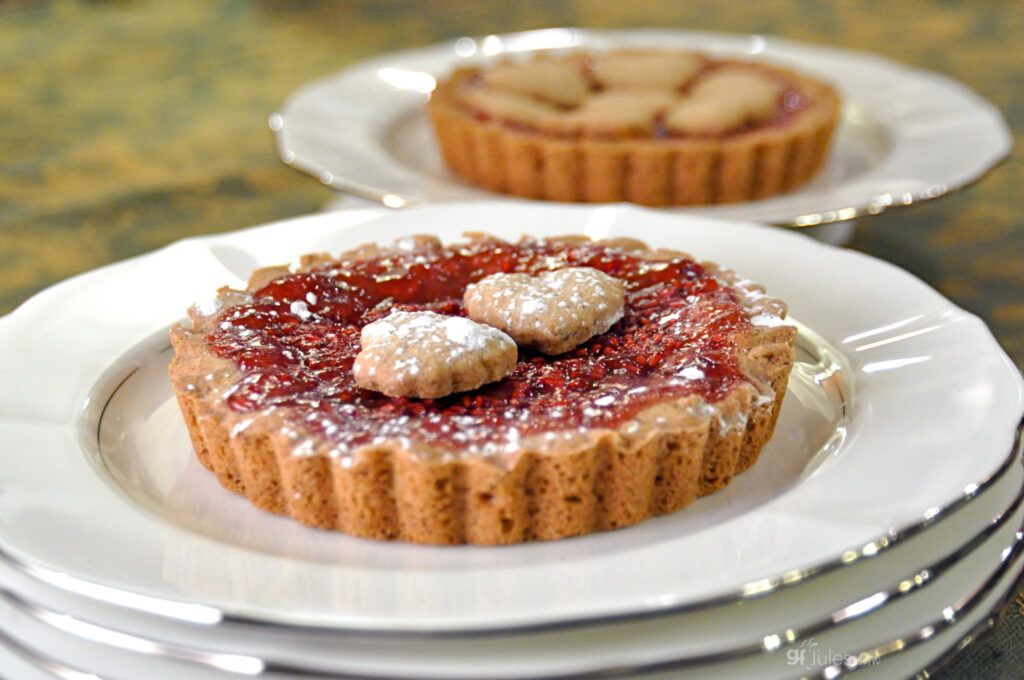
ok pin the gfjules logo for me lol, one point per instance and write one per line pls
(809, 655)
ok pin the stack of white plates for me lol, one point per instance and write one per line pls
(880, 531)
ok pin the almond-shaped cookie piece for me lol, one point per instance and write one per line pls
(551, 312)
(429, 355)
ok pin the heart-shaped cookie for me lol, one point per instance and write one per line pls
(551, 312)
(429, 355)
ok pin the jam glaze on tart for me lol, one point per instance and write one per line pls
(656, 127)
(672, 401)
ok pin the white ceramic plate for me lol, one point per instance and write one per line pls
(869, 598)
(920, 381)
(905, 135)
(868, 634)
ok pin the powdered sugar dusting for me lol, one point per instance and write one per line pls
(208, 306)
(300, 309)
(769, 320)
(377, 330)
(462, 331)
(532, 306)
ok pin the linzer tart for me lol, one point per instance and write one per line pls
(666, 405)
(655, 127)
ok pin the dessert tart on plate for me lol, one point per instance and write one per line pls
(483, 391)
(656, 127)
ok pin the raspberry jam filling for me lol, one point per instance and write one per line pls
(295, 341)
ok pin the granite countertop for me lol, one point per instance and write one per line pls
(128, 124)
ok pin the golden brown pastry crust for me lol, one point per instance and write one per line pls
(536, 161)
(655, 463)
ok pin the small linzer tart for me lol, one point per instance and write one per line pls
(656, 127)
(668, 404)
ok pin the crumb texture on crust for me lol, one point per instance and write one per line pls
(543, 486)
(683, 129)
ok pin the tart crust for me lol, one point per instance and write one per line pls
(657, 462)
(503, 155)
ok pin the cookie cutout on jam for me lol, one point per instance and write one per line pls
(551, 312)
(429, 355)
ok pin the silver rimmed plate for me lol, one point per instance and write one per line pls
(906, 135)
(891, 631)
(919, 380)
(845, 611)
